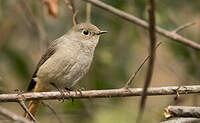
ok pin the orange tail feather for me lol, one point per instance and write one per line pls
(33, 105)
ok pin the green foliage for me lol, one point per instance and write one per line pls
(180, 51)
(70, 106)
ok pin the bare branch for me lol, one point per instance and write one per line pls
(71, 6)
(12, 116)
(22, 104)
(152, 37)
(170, 90)
(144, 24)
(182, 111)
(74, 19)
(88, 12)
(183, 120)
(129, 82)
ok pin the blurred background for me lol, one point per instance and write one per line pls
(26, 27)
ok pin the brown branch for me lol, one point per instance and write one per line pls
(71, 6)
(152, 37)
(183, 120)
(144, 24)
(12, 116)
(74, 19)
(22, 104)
(129, 82)
(155, 91)
(182, 111)
(88, 12)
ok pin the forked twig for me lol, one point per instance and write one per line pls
(12, 116)
(129, 82)
(133, 19)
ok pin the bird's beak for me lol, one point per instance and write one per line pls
(101, 32)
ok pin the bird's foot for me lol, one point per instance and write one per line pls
(18, 91)
(68, 90)
(60, 90)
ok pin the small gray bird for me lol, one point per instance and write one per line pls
(66, 61)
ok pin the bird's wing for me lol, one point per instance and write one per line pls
(50, 51)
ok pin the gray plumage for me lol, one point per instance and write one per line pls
(67, 59)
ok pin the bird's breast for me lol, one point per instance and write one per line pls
(66, 67)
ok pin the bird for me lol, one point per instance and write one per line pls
(66, 60)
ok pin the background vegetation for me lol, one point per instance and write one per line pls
(118, 54)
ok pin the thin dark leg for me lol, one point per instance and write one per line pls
(68, 90)
(60, 90)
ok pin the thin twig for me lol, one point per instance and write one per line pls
(144, 24)
(74, 17)
(75, 12)
(129, 82)
(155, 91)
(22, 104)
(88, 12)
(184, 26)
(152, 36)
(34, 22)
(71, 6)
(53, 111)
(12, 116)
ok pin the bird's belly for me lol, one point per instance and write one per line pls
(70, 77)
(63, 73)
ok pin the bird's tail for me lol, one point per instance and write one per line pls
(34, 104)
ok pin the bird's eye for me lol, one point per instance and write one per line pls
(85, 32)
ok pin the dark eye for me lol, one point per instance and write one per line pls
(85, 32)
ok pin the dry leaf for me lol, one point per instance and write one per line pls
(52, 6)
(68, 4)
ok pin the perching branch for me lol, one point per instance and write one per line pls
(155, 91)
(182, 111)
(12, 116)
(145, 25)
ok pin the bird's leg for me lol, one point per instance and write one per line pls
(80, 89)
(68, 90)
(60, 90)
